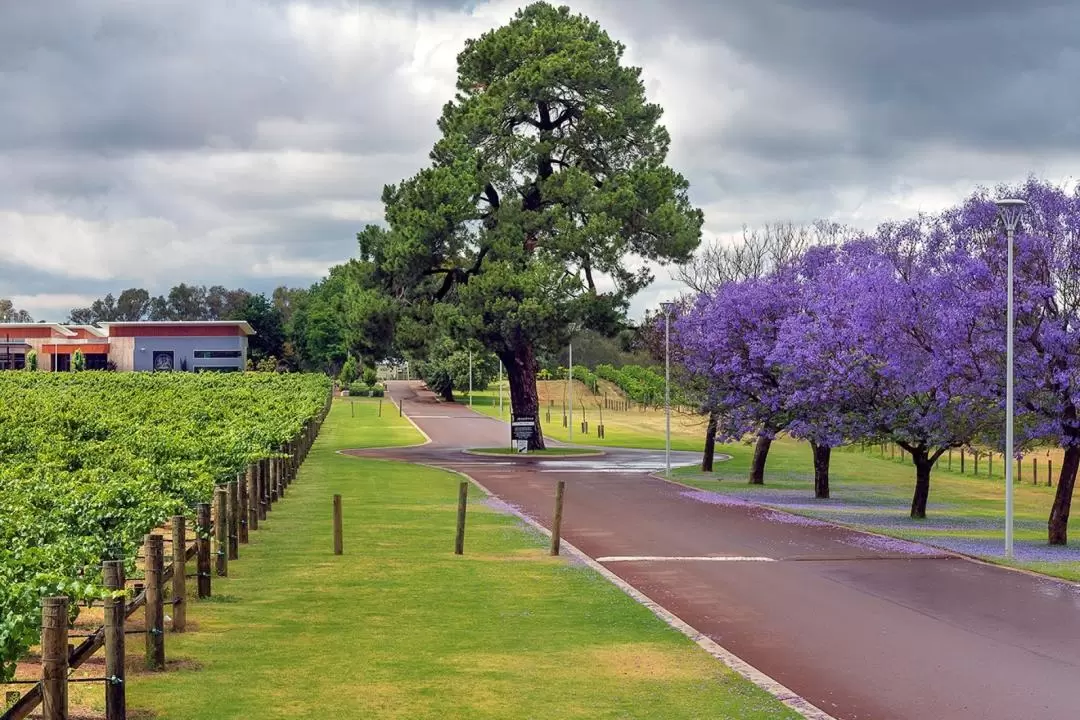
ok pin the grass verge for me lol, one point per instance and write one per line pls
(400, 627)
(965, 514)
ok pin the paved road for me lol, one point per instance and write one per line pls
(859, 627)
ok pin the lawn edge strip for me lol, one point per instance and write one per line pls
(546, 456)
(852, 528)
(735, 663)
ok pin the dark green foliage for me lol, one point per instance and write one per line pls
(371, 376)
(549, 172)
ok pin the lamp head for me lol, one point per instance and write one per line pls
(1009, 210)
(667, 307)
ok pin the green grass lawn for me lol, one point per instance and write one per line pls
(400, 627)
(633, 428)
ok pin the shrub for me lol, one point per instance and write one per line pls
(31, 360)
(78, 360)
(349, 372)
(357, 389)
(371, 377)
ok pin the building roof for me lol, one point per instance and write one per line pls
(242, 324)
(64, 330)
(103, 331)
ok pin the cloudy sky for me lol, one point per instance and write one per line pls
(244, 142)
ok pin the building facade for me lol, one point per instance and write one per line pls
(196, 346)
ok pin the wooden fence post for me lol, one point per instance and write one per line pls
(179, 576)
(202, 545)
(961, 461)
(976, 455)
(1034, 471)
(1019, 469)
(280, 463)
(990, 460)
(462, 502)
(233, 512)
(252, 498)
(115, 612)
(1049, 472)
(556, 524)
(221, 530)
(950, 459)
(155, 604)
(272, 472)
(243, 514)
(338, 541)
(54, 658)
(264, 480)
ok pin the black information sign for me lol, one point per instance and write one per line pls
(522, 430)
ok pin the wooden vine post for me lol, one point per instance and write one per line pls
(54, 658)
(232, 510)
(155, 603)
(252, 499)
(115, 612)
(179, 576)
(221, 530)
(202, 545)
(264, 479)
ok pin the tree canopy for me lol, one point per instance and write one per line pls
(548, 179)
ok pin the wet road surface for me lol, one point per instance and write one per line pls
(860, 626)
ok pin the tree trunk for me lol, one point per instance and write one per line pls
(761, 453)
(923, 465)
(1058, 525)
(521, 375)
(822, 454)
(710, 442)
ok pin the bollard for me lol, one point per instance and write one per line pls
(338, 540)
(202, 547)
(976, 456)
(380, 406)
(54, 658)
(556, 524)
(1049, 472)
(990, 462)
(1019, 469)
(243, 510)
(221, 530)
(462, 502)
(1034, 471)
(232, 512)
(950, 459)
(155, 604)
(400, 403)
(115, 612)
(961, 461)
(179, 576)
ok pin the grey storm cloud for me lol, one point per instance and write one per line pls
(244, 143)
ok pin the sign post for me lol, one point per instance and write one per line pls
(522, 430)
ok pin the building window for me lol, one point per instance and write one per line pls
(163, 360)
(97, 361)
(217, 368)
(218, 354)
(61, 363)
(12, 361)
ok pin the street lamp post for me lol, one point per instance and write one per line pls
(667, 308)
(570, 395)
(1009, 211)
